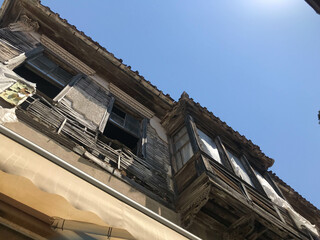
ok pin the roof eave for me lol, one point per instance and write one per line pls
(12, 9)
(315, 4)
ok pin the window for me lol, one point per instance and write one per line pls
(208, 146)
(47, 74)
(125, 128)
(270, 190)
(182, 147)
(239, 168)
(217, 151)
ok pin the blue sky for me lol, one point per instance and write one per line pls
(253, 63)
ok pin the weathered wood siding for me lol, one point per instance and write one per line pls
(13, 43)
(158, 155)
(50, 119)
(88, 99)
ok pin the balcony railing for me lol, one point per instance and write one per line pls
(67, 127)
(257, 199)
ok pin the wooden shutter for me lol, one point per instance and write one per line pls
(91, 101)
(106, 115)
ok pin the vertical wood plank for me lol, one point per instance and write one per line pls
(201, 163)
(191, 128)
(223, 154)
(106, 115)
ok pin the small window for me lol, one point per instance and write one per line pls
(239, 168)
(124, 128)
(209, 146)
(182, 147)
(125, 121)
(49, 77)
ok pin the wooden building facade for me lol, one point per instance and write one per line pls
(90, 149)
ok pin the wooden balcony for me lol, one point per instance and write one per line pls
(222, 201)
(65, 126)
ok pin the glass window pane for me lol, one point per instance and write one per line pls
(181, 142)
(182, 147)
(269, 190)
(60, 76)
(239, 168)
(132, 124)
(43, 64)
(209, 146)
(180, 134)
(117, 119)
(186, 152)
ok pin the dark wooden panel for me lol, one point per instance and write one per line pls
(286, 216)
(262, 202)
(224, 176)
(186, 175)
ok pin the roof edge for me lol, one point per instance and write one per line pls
(315, 4)
(166, 98)
(241, 138)
(300, 198)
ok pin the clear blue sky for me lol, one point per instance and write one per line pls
(253, 63)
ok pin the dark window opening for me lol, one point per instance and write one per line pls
(124, 128)
(114, 132)
(118, 112)
(43, 85)
(125, 121)
(47, 74)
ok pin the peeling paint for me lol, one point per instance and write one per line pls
(155, 123)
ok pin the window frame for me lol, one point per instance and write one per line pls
(175, 150)
(125, 121)
(47, 75)
(142, 137)
(60, 63)
(249, 169)
(240, 159)
(225, 159)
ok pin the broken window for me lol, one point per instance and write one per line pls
(208, 146)
(125, 128)
(49, 77)
(182, 147)
(239, 168)
(218, 152)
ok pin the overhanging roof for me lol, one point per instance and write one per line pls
(81, 46)
(186, 103)
(315, 4)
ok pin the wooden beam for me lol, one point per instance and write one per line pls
(210, 222)
(258, 234)
(246, 219)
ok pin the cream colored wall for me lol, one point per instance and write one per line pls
(31, 179)
(155, 123)
(92, 169)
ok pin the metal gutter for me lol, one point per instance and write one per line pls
(32, 146)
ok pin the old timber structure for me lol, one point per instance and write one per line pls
(91, 150)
